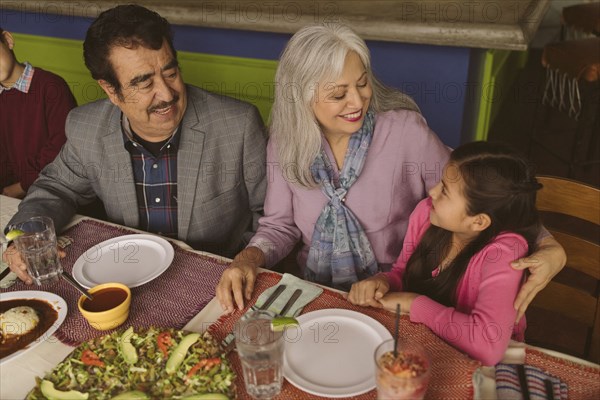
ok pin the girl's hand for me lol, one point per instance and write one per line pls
(405, 299)
(543, 265)
(368, 292)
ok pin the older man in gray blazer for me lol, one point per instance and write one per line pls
(161, 155)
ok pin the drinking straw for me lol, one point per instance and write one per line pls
(397, 333)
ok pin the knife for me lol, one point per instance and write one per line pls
(272, 297)
(297, 293)
(5, 272)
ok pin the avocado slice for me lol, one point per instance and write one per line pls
(127, 349)
(51, 393)
(180, 351)
(133, 395)
(206, 396)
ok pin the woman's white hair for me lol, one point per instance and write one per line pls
(316, 53)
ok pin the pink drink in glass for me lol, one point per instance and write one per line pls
(402, 377)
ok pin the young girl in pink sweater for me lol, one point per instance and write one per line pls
(453, 273)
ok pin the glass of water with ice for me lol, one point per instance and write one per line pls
(38, 249)
(261, 353)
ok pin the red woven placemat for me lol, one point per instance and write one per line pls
(583, 381)
(170, 300)
(451, 371)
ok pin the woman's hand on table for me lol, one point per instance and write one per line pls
(543, 265)
(237, 281)
(368, 292)
(15, 262)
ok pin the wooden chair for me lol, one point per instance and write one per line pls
(565, 316)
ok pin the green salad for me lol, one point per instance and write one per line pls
(153, 364)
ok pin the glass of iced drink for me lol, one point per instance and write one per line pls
(261, 354)
(404, 376)
(37, 245)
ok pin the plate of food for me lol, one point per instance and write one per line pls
(130, 259)
(147, 363)
(27, 319)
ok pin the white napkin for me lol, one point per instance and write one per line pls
(309, 293)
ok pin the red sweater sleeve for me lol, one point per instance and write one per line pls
(57, 101)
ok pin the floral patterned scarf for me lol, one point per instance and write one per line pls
(340, 253)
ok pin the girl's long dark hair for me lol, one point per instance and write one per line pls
(497, 182)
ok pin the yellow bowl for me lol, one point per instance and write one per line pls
(110, 307)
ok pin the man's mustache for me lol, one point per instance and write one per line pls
(164, 104)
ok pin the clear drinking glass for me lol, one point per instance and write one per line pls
(405, 376)
(261, 354)
(38, 249)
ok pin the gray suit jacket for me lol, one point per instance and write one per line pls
(220, 170)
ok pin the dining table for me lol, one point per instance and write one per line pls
(183, 297)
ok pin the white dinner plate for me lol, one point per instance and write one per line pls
(131, 260)
(55, 301)
(331, 352)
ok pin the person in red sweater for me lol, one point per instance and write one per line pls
(33, 109)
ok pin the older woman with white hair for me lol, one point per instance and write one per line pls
(348, 160)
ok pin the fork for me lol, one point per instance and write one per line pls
(227, 347)
(270, 300)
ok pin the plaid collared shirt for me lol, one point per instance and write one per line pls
(155, 183)
(24, 82)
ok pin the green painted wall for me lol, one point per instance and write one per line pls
(500, 68)
(245, 78)
(242, 78)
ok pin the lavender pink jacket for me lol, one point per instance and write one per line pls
(482, 323)
(405, 159)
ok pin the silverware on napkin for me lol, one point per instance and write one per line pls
(5, 272)
(272, 297)
(67, 277)
(297, 293)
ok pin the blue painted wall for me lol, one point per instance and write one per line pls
(435, 76)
